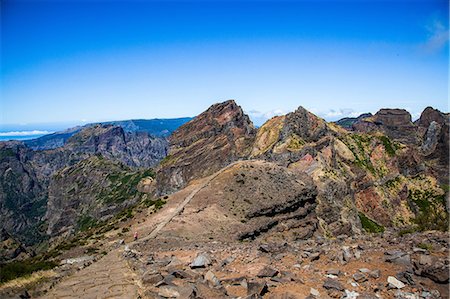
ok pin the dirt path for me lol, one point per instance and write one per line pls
(111, 277)
(183, 204)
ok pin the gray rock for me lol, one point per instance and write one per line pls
(400, 258)
(347, 254)
(395, 282)
(168, 292)
(335, 272)
(333, 284)
(431, 267)
(211, 279)
(359, 277)
(367, 296)
(405, 277)
(150, 277)
(267, 272)
(314, 256)
(314, 292)
(202, 260)
(256, 288)
(375, 273)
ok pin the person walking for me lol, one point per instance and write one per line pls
(135, 235)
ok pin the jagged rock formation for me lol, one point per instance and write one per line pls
(433, 128)
(364, 179)
(395, 123)
(286, 135)
(220, 135)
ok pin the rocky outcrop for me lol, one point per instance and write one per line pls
(284, 136)
(395, 123)
(249, 200)
(393, 117)
(220, 135)
(433, 128)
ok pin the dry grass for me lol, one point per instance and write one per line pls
(28, 281)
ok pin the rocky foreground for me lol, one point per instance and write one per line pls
(385, 266)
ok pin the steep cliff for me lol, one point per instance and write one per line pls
(91, 191)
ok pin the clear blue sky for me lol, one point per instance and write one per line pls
(74, 61)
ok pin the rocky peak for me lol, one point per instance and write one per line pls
(395, 123)
(283, 137)
(220, 135)
(226, 117)
(304, 124)
(393, 117)
(429, 115)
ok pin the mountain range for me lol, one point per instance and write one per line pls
(217, 178)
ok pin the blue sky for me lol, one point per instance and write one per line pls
(85, 61)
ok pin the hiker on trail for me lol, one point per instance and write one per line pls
(135, 235)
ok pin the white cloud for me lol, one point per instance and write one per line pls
(438, 37)
(24, 133)
(259, 118)
(336, 114)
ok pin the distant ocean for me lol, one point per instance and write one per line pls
(22, 135)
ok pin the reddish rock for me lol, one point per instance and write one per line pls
(220, 135)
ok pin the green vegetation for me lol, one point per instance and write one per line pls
(407, 231)
(369, 225)
(431, 214)
(7, 152)
(158, 204)
(86, 222)
(425, 246)
(393, 182)
(295, 142)
(17, 269)
(389, 146)
(123, 185)
(362, 158)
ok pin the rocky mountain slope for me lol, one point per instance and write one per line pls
(377, 176)
(299, 207)
(34, 184)
(220, 135)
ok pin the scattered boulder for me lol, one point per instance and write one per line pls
(359, 277)
(201, 261)
(375, 274)
(395, 283)
(256, 288)
(333, 284)
(267, 272)
(168, 292)
(431, 267)
(150, 277)
(335, 272)
(211, 279)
